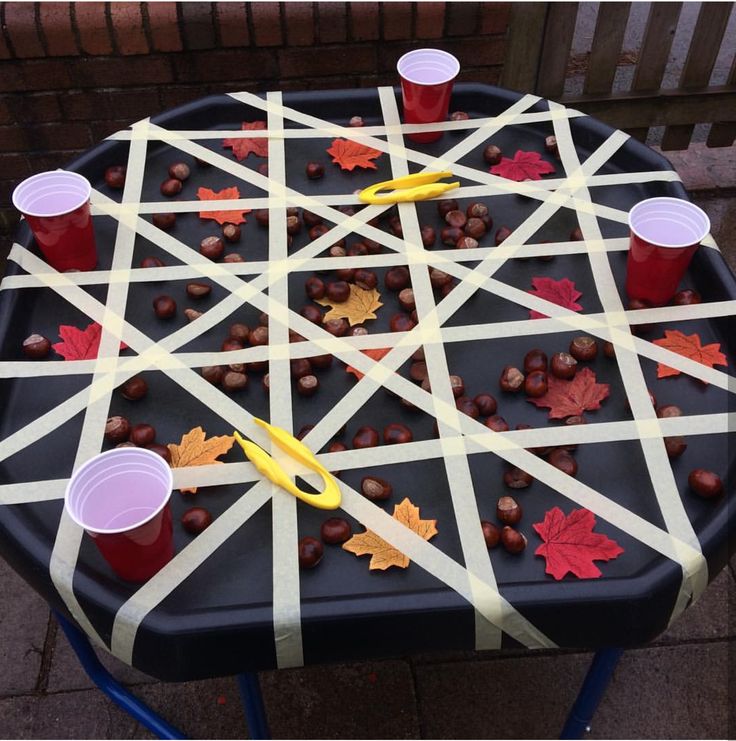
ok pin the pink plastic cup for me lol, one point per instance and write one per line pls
(56, 206)
(427, 76)
(665, 233)
(121, 499)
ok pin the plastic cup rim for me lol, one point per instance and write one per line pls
(38, 176)
(441, 52)
(113, 453)
(670, 200)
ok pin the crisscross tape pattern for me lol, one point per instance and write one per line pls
(267, 289)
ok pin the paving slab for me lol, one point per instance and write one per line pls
(369, 700)
(24, 618)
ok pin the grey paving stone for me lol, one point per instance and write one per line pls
(66, 673)
(668, 692)
(708, 617)
(371, 700)
(23, 622)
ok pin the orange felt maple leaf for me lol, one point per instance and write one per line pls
(361, 305)
(383, 554)
(244, 146)
(80, 344)
(349, 154)
(690, 347)
(222, 217)
(376, 354)
(195, 450)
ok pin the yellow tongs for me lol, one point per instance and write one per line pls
(329, 498)
(410, 188)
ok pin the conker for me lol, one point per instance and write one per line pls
(338, 292)
(686, 297)
(212, 247)
(134, 388)
(36, 346)
(675, 446)
(164, 307)
(406, 299)
(397, 278)
(258, 335)
(496, 423)
(401, 323)
(336, 327)
(669, 410)
(486, 404)
(501, 234)
(152, 262)
(516, 478)
(562, 460)
(445, 205)
(513, 541)
(365, 437)
(535, 384)
(198, 290)
(335, 530)
(314, 170)
(429, 236)
(397, 434)
(307, 385)
(491, 533)
(365, 279)
(310, 552)
(535, 359)
(164, 221)
(143, 435)
(231, 232)
(508, 511)
(115, 176)
(196, 519)
(512, 379)
(161, 450)
(234, 381)
(492, 154)
(584, 348)
(705, 483)
(374, 488)
(475, 227)
(179, 171)
(563, 365)
(171, 187)
(213, 374)
(117, 429)
(456, 218)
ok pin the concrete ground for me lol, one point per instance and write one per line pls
(680, 686)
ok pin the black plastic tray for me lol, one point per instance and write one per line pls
(219, 620)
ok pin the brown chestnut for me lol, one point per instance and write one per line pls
(311, 313)
(335, 530)
(258, 335)
(401, 323)
(161, 450)
(179, 171)
(164, 221)
(164, 307)
(239, 331)
(233, 257)
(115, 176)
(450, 235)
(686, 297)
(152, 262)
(397, 278)
(374, 488)
(502, 234)
(445, 205)
(198, 290)
(475, 227)
(467, 406)
(315, 288)
(492, 154)
(429, 236)
(365, 437)
(583, 348)
(486, 404)
(143, 435)
(234, 381)
(550, 144)
(231, 344)
(231, 232)
(337, 292)
(213, 374)
(314, 170)
(669, 410)
(307, 385)
(491, 533)
(397, 434)
(516, 478)
(134, 388)
(196, 519)
(511, 380)
(562, 460)
(496, 423)
(535, 384)
(117, 429)
(36, 346)
(705, 483)
(171, 187)
(563, 365)
(535, 359)
(310, 552)
(456, 218)
(675, 446)
(513, 541)
(336, 327)
(365, 279)
(466, 243)
(508, 511)
(212, 247)
(406, 299)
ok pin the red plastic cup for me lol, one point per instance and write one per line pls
(121, 499)
(665, 233)
(56, 206)
(427, 76)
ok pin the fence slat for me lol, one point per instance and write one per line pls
(722, 133)
(555, 54)
(655, 50)
(610, 27)
(701, 58)
(523, 44)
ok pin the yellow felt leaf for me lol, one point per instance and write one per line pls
(361, 305)
(196, 450)
(383, 554)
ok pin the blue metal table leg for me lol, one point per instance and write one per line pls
(255, 712)
(591, 693)
(111, 687)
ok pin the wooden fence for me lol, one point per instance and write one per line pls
(538, 52)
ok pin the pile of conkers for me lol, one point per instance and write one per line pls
(334, 531)
(508, 513)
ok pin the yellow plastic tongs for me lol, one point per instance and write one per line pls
(329, 498)
(410, 188)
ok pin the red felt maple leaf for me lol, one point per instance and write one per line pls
(376, 354)
(570, 545)
(690, 347)
(80, 344)
(524, 166)
(560, 292)
(222, 217)
(349, 154)
(568, 398)
(242, 147)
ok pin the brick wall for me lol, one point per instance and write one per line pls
(73, 73)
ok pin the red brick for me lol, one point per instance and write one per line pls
(462, 19)
(91, 22)
(173, 96)
(266, 24)
(15, 166)
(333, 23)
(494, 17)
(59, 136)
(20, 23)
(56, 26)
(197, 28)
(52, 160)
(377, 80)
(320, 83)
(299, 24)
(127, 24)
(397, 21)
(31, 108)
(4, 49)
(133, 104)
(364, 24)
(115, 72)
(13, 138)
(5, 115)
(430, 20)
(164, 26)
(232, 22)
(102, 129)
(226, 64)
(41, 74)
(330, 61)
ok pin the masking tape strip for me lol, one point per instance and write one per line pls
(462, 492)
(287, 624)
(695, 570)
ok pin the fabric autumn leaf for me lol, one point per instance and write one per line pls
(361, 305)
(524, 166)
(375, 354)
(222, 217)
(244, 146)
(349, 154)
(691, 347)
(571, 546)
(561, 292)
(568, 398)
(383, 554)
(196, 450)
(80, 344)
